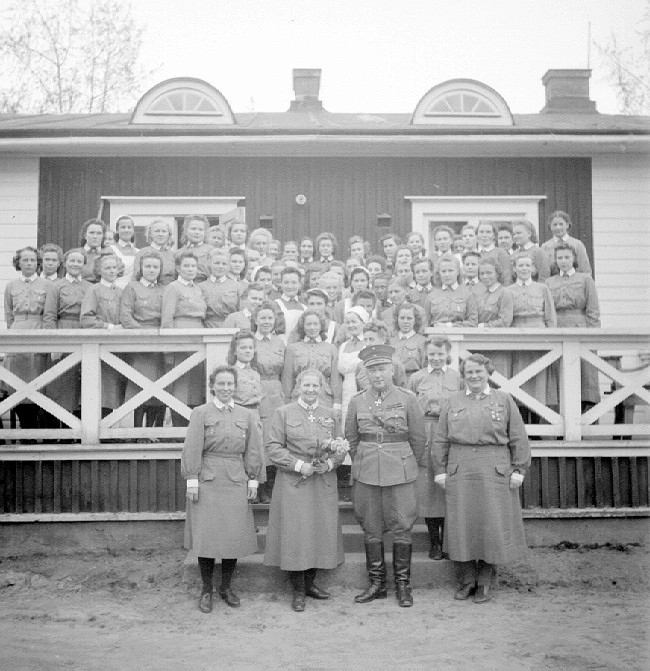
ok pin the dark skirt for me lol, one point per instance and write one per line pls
(430, 496)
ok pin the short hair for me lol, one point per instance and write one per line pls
(104, 254)
(317, 293)
(359, 270)
(86, 225)
(328, 276)
(491, 224)
(364, 293)
(235, 251)
(52, 247)
(253, 286)
(443, 228)
(528, 226)
(310, 371)
(440, 341)
(186, 254)
(505, 226)
(219, 251)
(188, 220)
(300, 326)
(326, 235)
(153, 254)
(273, 307)
(377, 326)
(404, 247)
(447, 258)
(491, 261)
(309, 273)
(423, 259)
(563, 246)
(124, 217)
(522, 255)
(75, 250)
(242, 334)
(559, 214)
(417, 316)
(262, 269)
(468, 226)
(217, 371)
(159, 221)
(388, 236)
(237, 223)
(290, 271)
(382, 276)
(415, 233)
(471, 252)
(21, 251)
(479, 359)
(375, 258)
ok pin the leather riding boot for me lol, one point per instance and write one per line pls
(297, 579)
(206, 566)
(376, 567)
(225, 591)
(402, 573)
(312, 590)
(435, 536)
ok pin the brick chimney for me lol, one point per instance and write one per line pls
(567, 91)
(306, 86)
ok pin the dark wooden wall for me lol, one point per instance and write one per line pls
(149, 486)
(344, 195)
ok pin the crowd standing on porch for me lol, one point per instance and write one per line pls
(331, 346)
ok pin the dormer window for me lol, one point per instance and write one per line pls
(183, 101)
(462, 102)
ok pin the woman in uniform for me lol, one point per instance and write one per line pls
(24, 303)
(220, 292)
(312, 351)
(193, 235)
(480, 457)
(159, 237)
(408, 342)
(304, 531)
(125, 249)
(487, 235)
(140, 308)
(526, 240)
(450, 304)
(576, 305)
(559, 224)
(91, 239)
(431, 385)
(221, 462)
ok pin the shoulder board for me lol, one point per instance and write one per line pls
(408, 392)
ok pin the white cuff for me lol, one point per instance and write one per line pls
(298, 467)
(337, 406)
(110, 326)
(440, 478)
(330, 465)
(192, 482)
(253, 483)
(517, 477)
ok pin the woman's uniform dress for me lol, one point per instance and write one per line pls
(203, 252)
(304, 529)
(140, 308)
(168, 270)
(532, 307)
(312, 353)
(582, 258)
(183, 307)
(269, 356)
(101, 310)
(576, 305)
(495, 311)
(410, 349)
(431, 386)
(454, 304)
(478, 442)
(62, 310)
(88, 271)
(420, 294)
(221, 297)
(24, 304)
(502, 258)
(542, 269)
(223, 450)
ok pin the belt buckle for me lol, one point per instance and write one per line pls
(380, 437)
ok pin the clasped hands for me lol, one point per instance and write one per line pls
(309, 468)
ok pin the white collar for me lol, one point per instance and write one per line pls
(527, 283)
(486, 390)
(485, 250)
(569, 273)
(247, 313)
(159, 248)
(309, 260)
(106, 284)
(494, 287)
(450, 287)
(326, 259)
(258, 336)
(472, 281)
(51, 278)
(357, 337)
(146, 283)
(286, 298)
(241, 365)
(564, 238)
(214, 279)
(72, 280)
(220, 406)
(308, 408)
(186, 283)
(317, 339)
(528, 245)
(431, 369)
(406, 336)
(426, 287)
(88, 248)
(121, 243)
(29, 279)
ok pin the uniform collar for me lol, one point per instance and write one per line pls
(452, 287)
(316, 339)
(527, 283)
(72, 280)
(106, 284)
(569, 273)
(305, 406)
(486, 392)
(471, 282)
(431, 369)
(288, 299)
(406, 336)
(494, 287)
(258, 336)
(124, 245)
(186, 283)
(485, 250)
(221, 406)
(29, 279)
(216, 280)
(146, 283)
(564, 238)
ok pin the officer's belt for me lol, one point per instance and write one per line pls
(383, 437)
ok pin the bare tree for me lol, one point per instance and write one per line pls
(65, 56)
(628, 69)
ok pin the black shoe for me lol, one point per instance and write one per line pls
(298, 602)
(205, 601)
(375, 591)
(482, 594)
(264, 497)
(404, 596)
(464, 592)
(436, 552)
(317, 593)
(229, 597)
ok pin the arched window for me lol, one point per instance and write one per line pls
(183, 101)
(462, 102)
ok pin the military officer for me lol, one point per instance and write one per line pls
(387, 434)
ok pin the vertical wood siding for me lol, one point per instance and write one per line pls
(18, 213)
(621, 226)
(344, 195)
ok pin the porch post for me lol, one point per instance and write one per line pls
(570, 390)
(91, 393)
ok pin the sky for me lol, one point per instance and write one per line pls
(380, 55)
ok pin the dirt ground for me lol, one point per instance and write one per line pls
(566, 609)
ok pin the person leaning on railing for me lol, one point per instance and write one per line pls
(159, 237)
(451, 303)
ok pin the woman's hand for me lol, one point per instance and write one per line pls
(321, 467)
(192, 493)
(516, 480)
(307, 470)
(252, 490)
(441, 480)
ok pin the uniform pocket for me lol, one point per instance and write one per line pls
(452, 470)
(205, 474)
(502, 471)
(410, 466)
(235, 471)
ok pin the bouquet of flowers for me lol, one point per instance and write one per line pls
(333, 446)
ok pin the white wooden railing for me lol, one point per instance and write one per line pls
(207, 348)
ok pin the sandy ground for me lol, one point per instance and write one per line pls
(566, 609)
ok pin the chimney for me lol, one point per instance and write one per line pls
(567, 91)
(306, 85)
